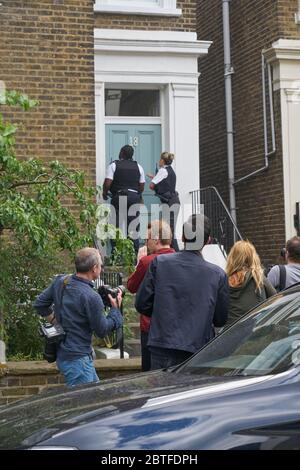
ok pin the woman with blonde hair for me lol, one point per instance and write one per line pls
(248, 285)
(164, 185)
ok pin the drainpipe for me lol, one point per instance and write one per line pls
(228, 71)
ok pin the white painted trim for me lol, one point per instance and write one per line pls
(158, 8)
(158, 42)
(144, 35)
(288, 49)
(132, 120)
(100, 131)
(284, 55)
(135, 79)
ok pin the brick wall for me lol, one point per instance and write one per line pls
(46, 51)
(186, 22)
(20, 380)
(254, 26)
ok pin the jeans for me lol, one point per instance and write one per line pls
(161, 358)
(78, 371)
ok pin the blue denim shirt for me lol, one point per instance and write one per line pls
(80, 314)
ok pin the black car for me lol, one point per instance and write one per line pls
(241, 391)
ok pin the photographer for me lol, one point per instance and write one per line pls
(78, 308)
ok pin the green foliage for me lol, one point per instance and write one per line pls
(32, 194)
(35, 226)
(123, 253)
(23, 276)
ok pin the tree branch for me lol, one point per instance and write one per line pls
(27, 183)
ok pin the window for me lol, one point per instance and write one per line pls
(132, 102)
(138, 7)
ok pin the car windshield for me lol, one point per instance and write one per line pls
(265, 341)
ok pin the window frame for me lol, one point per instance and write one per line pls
(141, 7)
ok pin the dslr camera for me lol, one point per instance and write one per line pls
(53, 335)
(106, 290)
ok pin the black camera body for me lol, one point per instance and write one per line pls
(53, 335)
(105, 290)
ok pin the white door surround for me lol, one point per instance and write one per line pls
(284, 55)
(164, 60)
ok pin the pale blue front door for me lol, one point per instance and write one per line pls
(146, 141)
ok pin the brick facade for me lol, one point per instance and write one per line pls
(254, 27)
(47, 52)
(186, 22)
(20, 380)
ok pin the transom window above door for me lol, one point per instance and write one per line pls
(138, 7)
(141, 103)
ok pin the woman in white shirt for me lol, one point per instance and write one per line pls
(164, 185)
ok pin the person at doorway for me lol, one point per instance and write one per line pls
(72, 302)
(164, 185)
(125, 178)
(158, 242)
(282, 276)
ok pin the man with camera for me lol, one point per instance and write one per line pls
(73, 304)
(185, 296)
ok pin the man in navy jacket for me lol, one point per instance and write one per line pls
(187, 295)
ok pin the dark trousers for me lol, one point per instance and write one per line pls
(132, 198)
(172, 219)
(161, 358)
(145, 352)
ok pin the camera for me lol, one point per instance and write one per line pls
(106, 290)
(53, 335)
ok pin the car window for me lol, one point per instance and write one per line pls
(265, 341)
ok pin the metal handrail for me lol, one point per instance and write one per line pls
(224, 228)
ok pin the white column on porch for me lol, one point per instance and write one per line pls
(284, 55)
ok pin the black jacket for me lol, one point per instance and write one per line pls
(186, 296)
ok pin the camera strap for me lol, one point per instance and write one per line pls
(65, 282)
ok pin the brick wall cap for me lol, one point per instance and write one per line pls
(42, 367)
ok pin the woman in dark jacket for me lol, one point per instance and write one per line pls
(164, 185)
(248, 285)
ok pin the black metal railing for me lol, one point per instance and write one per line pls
(113, 279)
(209, 202)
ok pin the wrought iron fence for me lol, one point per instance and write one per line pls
(113, 279)
(209, 202)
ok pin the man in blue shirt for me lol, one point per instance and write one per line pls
(72, 302)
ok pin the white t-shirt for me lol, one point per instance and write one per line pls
(160, 175)
(112, 168)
